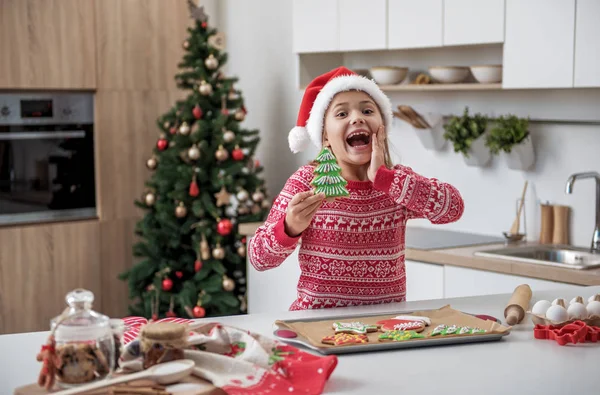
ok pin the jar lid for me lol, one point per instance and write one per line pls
(79, 322)
(164, 331)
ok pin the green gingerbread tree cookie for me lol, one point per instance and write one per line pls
(328, 178)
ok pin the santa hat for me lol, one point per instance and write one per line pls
(317, 97)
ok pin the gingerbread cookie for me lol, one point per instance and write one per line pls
(401, 325)
(340, 339)
(398, 336)
(353, 327)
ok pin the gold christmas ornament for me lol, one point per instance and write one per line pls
(232, 95)
(195, 128)
(217, 41)
(211, 62)
(240, 115)
(223, 197)
(265, 204)
(149, 199)
(184, 129)
(180, 210)
(218, 252)
(255, 209)
(221, 154)
(171, 144)
(243, 210)
(166, 125)
(241, 250)
(152, 163)
(204, 249)
(228, 284)
(205, 88)
(258, 196)
(228, 136)
(186, 44)
(194, 153)
(242, 195)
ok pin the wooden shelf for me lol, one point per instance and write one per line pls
(474, 86)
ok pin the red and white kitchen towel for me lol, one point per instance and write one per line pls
(242, 362)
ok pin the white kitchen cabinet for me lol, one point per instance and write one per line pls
(362, 24)
(473, 22)
(414, 24)
(539, 44)
(460, 282)
(587, 45)
(424, 281)
(315, 26)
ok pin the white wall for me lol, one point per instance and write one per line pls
(259, 42)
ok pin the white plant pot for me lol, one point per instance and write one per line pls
(432, 138)
(478, 154)
(521, 156)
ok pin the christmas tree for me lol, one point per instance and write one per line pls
(205, 182)
(328, 176)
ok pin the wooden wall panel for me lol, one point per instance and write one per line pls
(47, 44)
(39, 265)
(125, 134)
(116, 242)
(139, 42)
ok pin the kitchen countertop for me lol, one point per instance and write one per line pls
(518, 363)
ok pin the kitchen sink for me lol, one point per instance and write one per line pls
(552, 255)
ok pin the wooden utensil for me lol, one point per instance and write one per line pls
(514, 229)
(163, 373)
(416, 119)
(518, 304)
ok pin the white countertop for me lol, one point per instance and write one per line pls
(516, 364)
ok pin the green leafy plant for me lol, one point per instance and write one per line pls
(507, 132)
(463, 130)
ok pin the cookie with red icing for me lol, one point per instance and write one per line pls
(401, 325)
(340, 339)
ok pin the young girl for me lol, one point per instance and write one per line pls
(352, 249)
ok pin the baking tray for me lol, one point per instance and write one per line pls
(380, 346)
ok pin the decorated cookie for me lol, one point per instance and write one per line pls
(353, 327)
(464, 330)
(450, 330)
(340, 339)
(401, 325)
(426, 320)
(398, 336)
(438, 330)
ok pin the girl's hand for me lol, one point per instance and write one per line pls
(377, 155)
(300, 212)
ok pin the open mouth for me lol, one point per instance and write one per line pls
(358, 138)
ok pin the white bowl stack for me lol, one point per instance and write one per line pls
(487, 74)
(388, 75)
(449, 74)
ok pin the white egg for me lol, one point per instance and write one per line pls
(591, 298)
(557, 313)
(577, 311)
(540, 307)
(577, 299)
(558, 301)
(593, 308)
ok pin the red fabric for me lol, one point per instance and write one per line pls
(352, 253)
(313, 89)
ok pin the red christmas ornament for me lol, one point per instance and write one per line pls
(179, 274)
(244, 240)
(237, 154)
(154, 317)
(256, 163)
(204, 25)
(167, 284)
(199, 312)
(197, 265)
(173, 130)
(197, 112)
(194, 190)
(225, 111)
(224, 227)
(162, 144)
(171, 314)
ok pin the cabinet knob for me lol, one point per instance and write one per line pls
(5, 111)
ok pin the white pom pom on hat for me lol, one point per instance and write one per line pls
(317, 97)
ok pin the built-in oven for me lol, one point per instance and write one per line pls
(46, 157)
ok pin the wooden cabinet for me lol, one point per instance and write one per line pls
(47, 44)
(139, 42)
(39, 266)
(473, 22)
(539, 44)
(414, 24)
(587, 45)
(363, 24)
(315, 26)
(459, 282)
(424, 281)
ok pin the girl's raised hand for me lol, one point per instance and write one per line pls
(300, 211)
(377, 155)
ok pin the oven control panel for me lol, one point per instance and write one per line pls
(46, 108)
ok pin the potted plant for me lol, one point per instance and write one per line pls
(510, 135)
(466, 134)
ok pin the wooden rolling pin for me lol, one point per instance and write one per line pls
(518, 305)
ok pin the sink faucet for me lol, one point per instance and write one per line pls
(595, 248)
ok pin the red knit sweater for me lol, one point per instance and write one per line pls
(352, 253)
